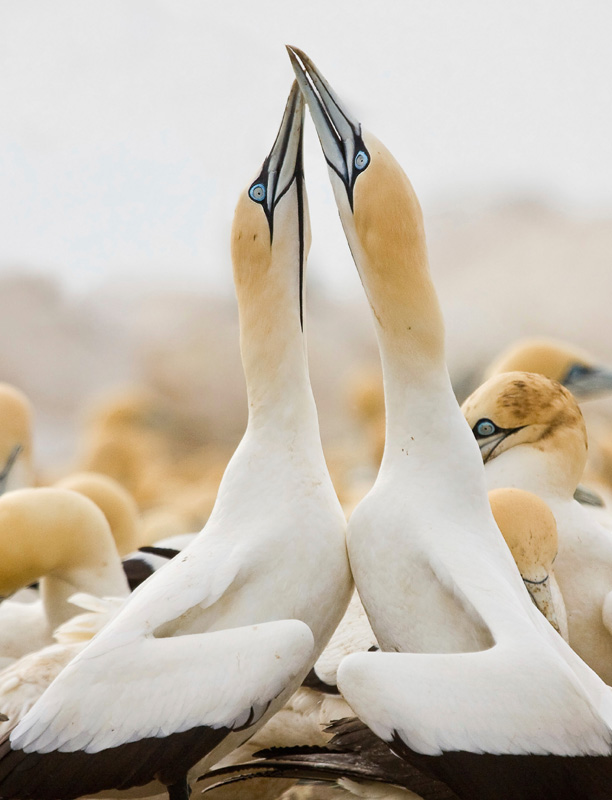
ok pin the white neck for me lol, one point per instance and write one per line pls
(276, 372)
(425, 425)
(526, 467)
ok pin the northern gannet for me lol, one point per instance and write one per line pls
(63, 540)
(214, 643)
(531, 435)
(16, 469)
(477, 671)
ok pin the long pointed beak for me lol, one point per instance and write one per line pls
(588, 383)
(284, 163)
(10, 462)
(542, 597)
(339, 132)
(283, 167)
(489, 445)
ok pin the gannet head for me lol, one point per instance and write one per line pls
(380, 214)
(115, 502)
(524, 409)
(50, 531)
(271, 225)
(530, 530)
(15, 438)
(574, 368)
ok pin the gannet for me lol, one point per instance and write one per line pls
(16, 470)
(576, 369)
(63, 540)
(208, 648)
(531, 435)
(585, 378)
(477, 671)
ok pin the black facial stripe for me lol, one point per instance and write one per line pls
(299, 178)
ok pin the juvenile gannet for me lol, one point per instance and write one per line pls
(63, 540)
(531, 435)
(482, 672)
(16, 469)
(574, 368)
(214, 643)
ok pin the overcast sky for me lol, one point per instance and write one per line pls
(130, 126)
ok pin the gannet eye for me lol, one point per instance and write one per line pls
(361, 160)
(485, 427)
(578, 371)
(258, 192)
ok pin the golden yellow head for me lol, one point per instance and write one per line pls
(529, 528)
(48, 531)
(518, 408)
(574, 368)
(386, 210)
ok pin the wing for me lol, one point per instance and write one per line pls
(197, 577)
(514, 698)
(151, 708)
(22, 683)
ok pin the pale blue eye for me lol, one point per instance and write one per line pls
(485, 427)
(361, 160)
(257, 192)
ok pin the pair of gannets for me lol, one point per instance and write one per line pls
(531, 435)
(213, 644)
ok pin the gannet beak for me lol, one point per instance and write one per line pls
(489, 444)
(583, 381)
(284, 164)
(10, 462)
(339, 132)
(542, 597)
